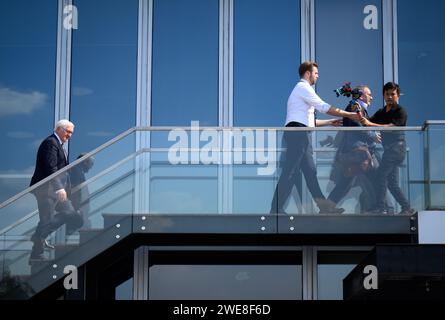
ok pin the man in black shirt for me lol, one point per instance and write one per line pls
(394, 146)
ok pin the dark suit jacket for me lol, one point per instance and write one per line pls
(354, 139)
(51, 158)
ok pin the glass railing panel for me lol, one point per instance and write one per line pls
(252, 193)
(111, 191)
(21, 278)
(250, 161)
(19, 209)
(414, 179)
(182, 188)
(210, 172)
(436, 146)
(104, 158)
(348, 166)
(107, 208)
(184, 170)
(101, 189)
(11, 184)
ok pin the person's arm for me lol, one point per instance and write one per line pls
(373, 121)
(368, 123)
(328, 122)
(333, 111)
(311, 98)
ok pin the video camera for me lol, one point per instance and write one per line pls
(347, 91)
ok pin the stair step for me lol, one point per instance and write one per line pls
(88, 234)
(38, 266)
(63, 249)
(111, 219)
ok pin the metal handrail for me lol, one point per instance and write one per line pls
(20, 221)
(75, 189)
(434, 122)
(411, 128)
(192, 128)
(68, 167)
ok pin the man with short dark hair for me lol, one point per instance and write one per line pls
(301, 107)
(394, 145)
(53, 195)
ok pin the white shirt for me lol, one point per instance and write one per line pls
(302, 103)
(61, 143)
(58, 138)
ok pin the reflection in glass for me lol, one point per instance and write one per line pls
(330, 280)
(104, 61)
(28, 34)
(421, 44)
(229, 282)
(183, 188)
(266, 60)
(332, 268)
(124, 291)
(346, 50)
(185, 62)
(436, 146)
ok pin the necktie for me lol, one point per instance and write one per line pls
(65, 153)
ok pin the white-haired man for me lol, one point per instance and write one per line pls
(53, 195)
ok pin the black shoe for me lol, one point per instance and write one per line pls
(328, 206)
(48, 245)
(407, 211)
(332, 210)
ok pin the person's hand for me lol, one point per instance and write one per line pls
(354, 117)
(378, 137)
(336, 122)
(364, 122)
(61, 195)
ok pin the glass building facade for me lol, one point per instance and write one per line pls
(109, 66)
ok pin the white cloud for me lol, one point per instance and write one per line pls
(20, 134)
(25, 171)
(100, 134)
(81, 91)
(15, 102)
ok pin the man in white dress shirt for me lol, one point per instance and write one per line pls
(301, 107)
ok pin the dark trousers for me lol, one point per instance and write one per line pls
(344, 184)
(52, 214)
(388, 175)
(298, 159)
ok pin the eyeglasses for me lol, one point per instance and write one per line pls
(67, 131)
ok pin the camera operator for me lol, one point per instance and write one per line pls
(394, 145)
(356, 159)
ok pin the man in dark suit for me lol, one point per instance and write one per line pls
(52, 196)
